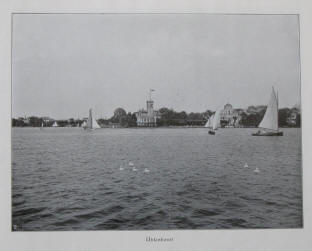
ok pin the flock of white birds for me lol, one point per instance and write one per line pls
(256, 170)
(146, 170)
(132, 166)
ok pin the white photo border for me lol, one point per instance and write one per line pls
(265, 239)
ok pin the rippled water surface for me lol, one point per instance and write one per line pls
(70, 179)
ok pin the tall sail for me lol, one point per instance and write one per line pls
(209, 122)
(55, 124)
(95, 125)
(91, 122)
(216, 120)
(270, 119)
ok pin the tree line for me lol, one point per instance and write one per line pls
(170, 117)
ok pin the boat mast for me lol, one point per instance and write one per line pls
(277, 99)
(277, 108)
(89, 122)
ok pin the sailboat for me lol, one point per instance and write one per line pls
(41, 126)
(269, 124)
(84, 124)
(209, 122)
(91, 122)
(55, 124)
(215, 123)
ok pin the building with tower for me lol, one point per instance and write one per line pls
(229, 117)
(148, 117)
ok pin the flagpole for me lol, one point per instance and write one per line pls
(150, 93)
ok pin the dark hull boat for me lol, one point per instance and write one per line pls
(269, 124)
(279, 133)
(211, 132)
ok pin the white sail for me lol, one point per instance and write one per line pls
(216, 120)
(55, 124)
(270, 119)
(84, 124)
(95, 125)
(91, 122)
(209, 122)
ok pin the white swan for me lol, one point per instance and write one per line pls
(257, 170)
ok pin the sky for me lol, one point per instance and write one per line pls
(64, 64)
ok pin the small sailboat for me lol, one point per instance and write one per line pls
(257, 170)
(91, 122)
(84, 124)
(55, 124)
(215, 123)
(209, 122)
(269, 124)
(146, 170)
(246, 165)
(41, 126)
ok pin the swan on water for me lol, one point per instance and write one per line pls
(257, 170)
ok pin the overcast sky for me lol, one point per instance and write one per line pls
(65, 64)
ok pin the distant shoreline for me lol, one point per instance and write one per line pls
(142, 127)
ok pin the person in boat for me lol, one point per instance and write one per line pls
(260, 131)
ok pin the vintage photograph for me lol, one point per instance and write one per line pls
(156, 122)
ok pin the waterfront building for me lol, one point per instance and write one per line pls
(25, 120)
(148, 117)
(229, 117)
(47, 120)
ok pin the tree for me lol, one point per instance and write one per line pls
(35, 121)
(131, 119)
(182, 115)
(119, 115)
(283, 115)
(298, 120)
(18, 122)
(251, 120)
(207, 114)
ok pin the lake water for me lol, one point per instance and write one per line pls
(70, 179)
